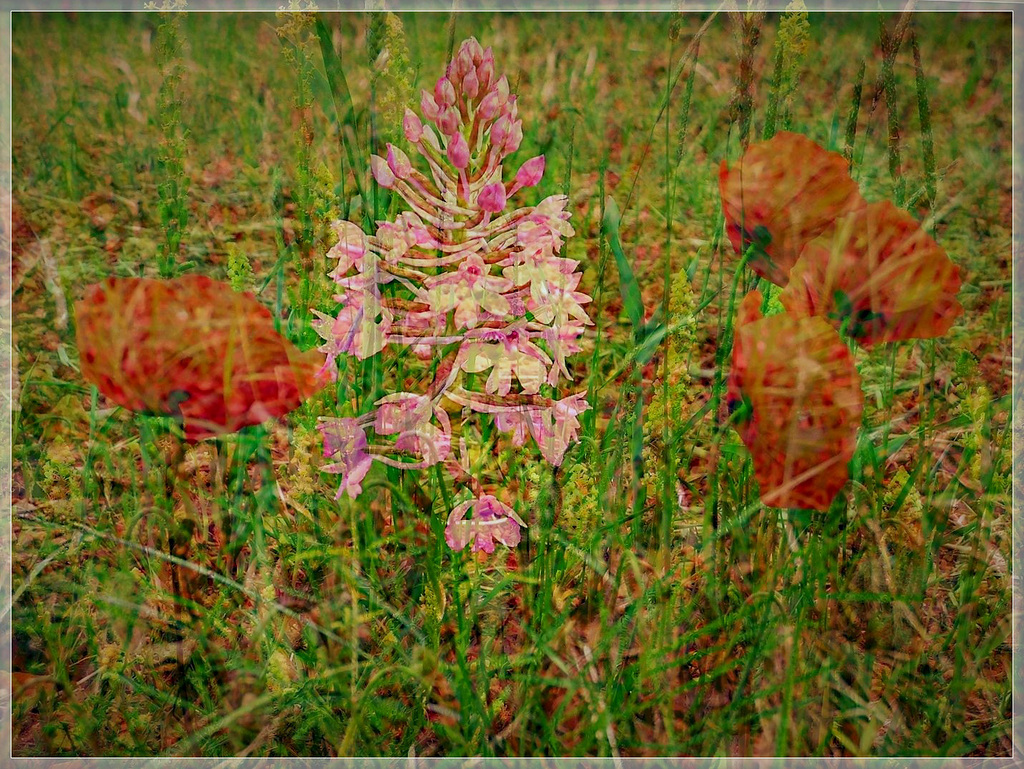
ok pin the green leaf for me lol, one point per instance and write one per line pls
(344, 109)
(652, 335)
(64, 358)
(335, 73)
(628, 286)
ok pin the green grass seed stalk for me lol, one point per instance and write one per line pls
(174, 186)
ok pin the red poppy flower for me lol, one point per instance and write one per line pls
(878, 277)
(795, 399)
(191, 347)
(782, 194)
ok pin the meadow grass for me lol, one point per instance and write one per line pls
(216, 600)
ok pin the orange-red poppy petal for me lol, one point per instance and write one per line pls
(191, 347)
(878, 277)
(796, 401)
(779, 196)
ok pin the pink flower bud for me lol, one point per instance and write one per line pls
(428, 106)
(399, 163)
(488, 106)
(514, 138)
(448, 121)
(444, 92)
(400, 412)
(431, 138)
(472, 51)
(502, 87)
(492, 198)
(412, 126)
(455, 70)
(381, 172)
(458, 151)
(499, 131)
(470, 85)
(464, 63)
(485, 69)
(530, 172)
(349, 249)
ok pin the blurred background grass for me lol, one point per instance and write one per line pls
(223, 603)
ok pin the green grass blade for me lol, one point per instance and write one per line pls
(344, 108)
(628, 286)
(335, 74)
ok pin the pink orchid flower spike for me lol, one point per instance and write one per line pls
(467, 275)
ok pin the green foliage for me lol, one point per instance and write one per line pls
(890, 42)
(675, 401)
(60, 480)
(791, 46)
(392, 75)
(924, 114)
(851, 120)
(240, 274)
(748, 28)
(772, 304)
(173, 189)
(344, 115)
(296, 35)
(581, 504)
